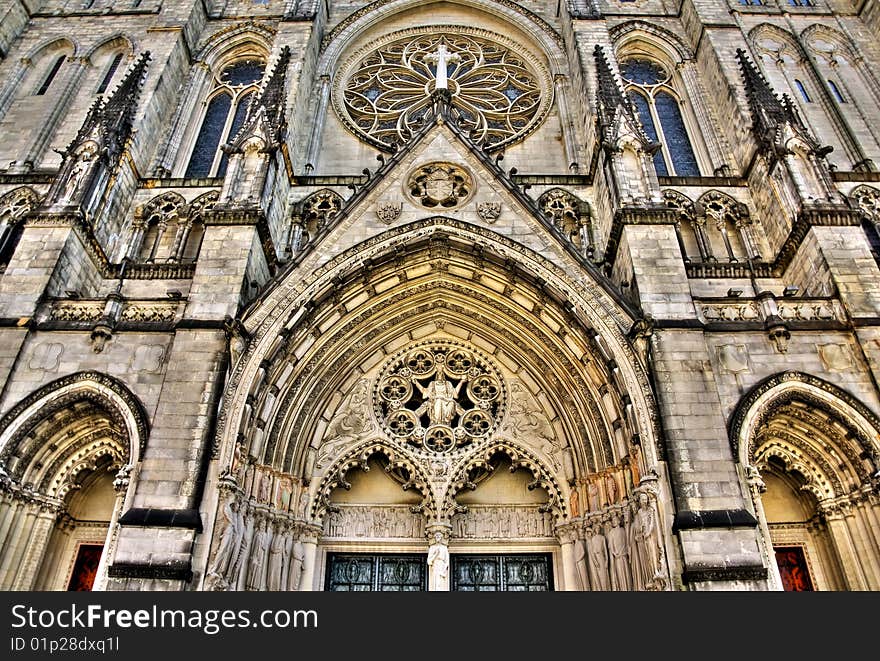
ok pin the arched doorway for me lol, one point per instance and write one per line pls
(66, 453)
(811, 457)
(480, 374)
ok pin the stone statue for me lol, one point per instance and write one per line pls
(618, 548)
(598, 554)
(286, 557)
(77, 172)
(574, 503)
(256, 576)
(239, 574)
(645, 545)
(593, 496)
(297, 558)
(276, 561)
(580, 563)
(230, 541)
(438, 564)
(440, 396)
(611, 491)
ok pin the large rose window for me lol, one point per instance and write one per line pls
(497, 94)
(439, 396)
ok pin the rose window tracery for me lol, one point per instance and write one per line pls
(497, 94)
(439, 396)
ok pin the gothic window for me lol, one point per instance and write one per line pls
(690, 234)
(225, 110)
(867, 200)
(498, 92)
(162, 221)
(651, 89)
(727, 228)
(803, 91)
(569, 215)
(51, 75)
(13, 207)
(108, 74)
(836, 92)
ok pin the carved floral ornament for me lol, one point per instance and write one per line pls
(439, 186)
(499, 92)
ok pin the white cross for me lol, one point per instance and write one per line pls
(442, 58)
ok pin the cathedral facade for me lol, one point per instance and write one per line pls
(457, 295)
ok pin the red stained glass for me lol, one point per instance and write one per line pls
(85, 568)
(793, 569)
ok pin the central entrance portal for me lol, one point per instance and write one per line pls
(360, 572)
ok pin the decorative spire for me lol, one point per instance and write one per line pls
(268, 105)
(613, 104)
(769, 112)
(111, 120)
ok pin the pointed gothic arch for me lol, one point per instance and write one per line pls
(810, 456)
(64, 450)
(309, 393)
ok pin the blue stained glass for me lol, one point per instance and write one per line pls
(642, 72)
(243, 72)
(512, 92)
(49, 78)
(237, 121)
(109, 75)
(836, 92)
(641, 104)
(209, 137)
(677, 142)
(803, 91)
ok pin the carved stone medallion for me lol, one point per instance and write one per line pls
(439, 396)
(442, 185)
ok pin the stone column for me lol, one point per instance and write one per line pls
(120, 486)
(16, 545)
(309, 539)
(35, 551)
(571, 152)
(318, 121)
(852, 571)
(37, 146)
(566, 535)
(13, 85)
(756, 488)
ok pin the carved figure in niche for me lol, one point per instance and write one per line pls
(634, 465)
(593, 496)
(504, 522)
(548, 524)
(297, 559)
(230, 541)
(256, 577)
(618, 548)
(286, 556)
(598, 553)
(263, 492)
(438, 564)
(645, 545)
(611, 491)
(580, 562)
(440, 396)
(276, 561)
(77, 173)
(350, 422)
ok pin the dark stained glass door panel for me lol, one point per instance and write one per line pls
(357, 572)
(793, 569)
(501, 573)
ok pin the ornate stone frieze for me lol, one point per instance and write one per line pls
(76, 311)
(503, 522)
(373, 522)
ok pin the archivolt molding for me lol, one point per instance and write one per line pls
(273, 318)
(319, 360)
(624, 34)
(113, 397)
(362, 20)
(841, 43)
(852, 428)
(230, 40)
